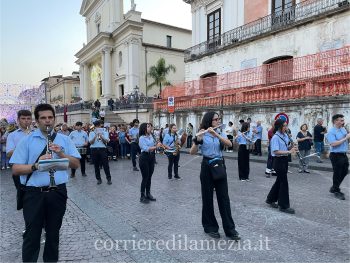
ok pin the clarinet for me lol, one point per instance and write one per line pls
(52, 184)
(298, 153)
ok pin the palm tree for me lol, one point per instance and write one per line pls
(159, 73)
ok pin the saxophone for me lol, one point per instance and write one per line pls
(177, 146)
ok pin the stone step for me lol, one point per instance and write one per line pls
(114, 118)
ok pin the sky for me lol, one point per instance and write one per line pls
(40, 37)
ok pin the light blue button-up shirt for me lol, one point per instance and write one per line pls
(79, 138)
(259, 130)
(335, 134)
(211, 145)
(169, 140)
(133, 133)
(145, 142)
(28, 150)
(98, 143)
(14, 138)
(241, 139)
(279, 144)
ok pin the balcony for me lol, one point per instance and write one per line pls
(301, 13)
(322, 75)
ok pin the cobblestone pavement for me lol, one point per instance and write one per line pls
(98, 214)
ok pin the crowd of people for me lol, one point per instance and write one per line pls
(33, 145)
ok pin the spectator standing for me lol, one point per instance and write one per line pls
(304, 139)
(319, 132)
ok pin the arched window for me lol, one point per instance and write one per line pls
(208, 82)
(279, 69)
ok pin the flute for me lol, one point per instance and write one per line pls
(205, 131)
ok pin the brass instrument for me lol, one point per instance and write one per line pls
(52, 184)
(297, 152)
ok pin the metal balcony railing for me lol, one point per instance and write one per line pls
(300, 13)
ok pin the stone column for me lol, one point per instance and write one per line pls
(134, 64)
(81, 82)
(86, 95)
(107, 72)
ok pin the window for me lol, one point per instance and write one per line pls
(76, 92)
(214, 24)
(98, 28)
(279, 69)
(168, 41)
(282, 11)
(120, 58)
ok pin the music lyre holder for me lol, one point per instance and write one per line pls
(52, 171)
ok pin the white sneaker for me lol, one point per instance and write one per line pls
(268, 171)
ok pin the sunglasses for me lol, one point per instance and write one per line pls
(216, 119)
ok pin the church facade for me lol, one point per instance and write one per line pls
(121, 48)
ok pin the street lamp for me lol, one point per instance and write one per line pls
(136, 100)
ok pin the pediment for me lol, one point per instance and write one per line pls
(84, 6)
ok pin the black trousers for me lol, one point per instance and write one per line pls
(115, 147)
(173, 162)
(146, 163)
(134, 149)
(208, 216)
(340, 164)
(279, 191)
(40, 207)
(99, 157)
(82, 164)
(243, 162)
(189, 141)
(258, 146)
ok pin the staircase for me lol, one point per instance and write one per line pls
(113, 118)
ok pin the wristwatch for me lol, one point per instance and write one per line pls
(34, 167)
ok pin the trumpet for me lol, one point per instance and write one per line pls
(52, 184)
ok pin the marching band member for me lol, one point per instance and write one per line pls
(213, 175)
(146, 161)
(172, 141)
(279, 150)
(243, 139)
(134, 147)
(98, 139)
(24, 119)
(338, 139)
(42, 205)
(81, 141)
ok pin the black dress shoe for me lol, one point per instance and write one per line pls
(136, 169)
(272, 204)
(84, 175)
(177, 177)
(109, 182)
(213, 234)
(287, 210)
(150, 197)
(234, 235)
(144, 200)
(339, 195)
(99, 181)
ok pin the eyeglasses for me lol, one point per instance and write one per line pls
(216, 119)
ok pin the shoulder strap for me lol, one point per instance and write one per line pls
(41, 154)
(282, 140)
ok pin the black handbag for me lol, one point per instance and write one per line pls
(218, 169)
(21, 189)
